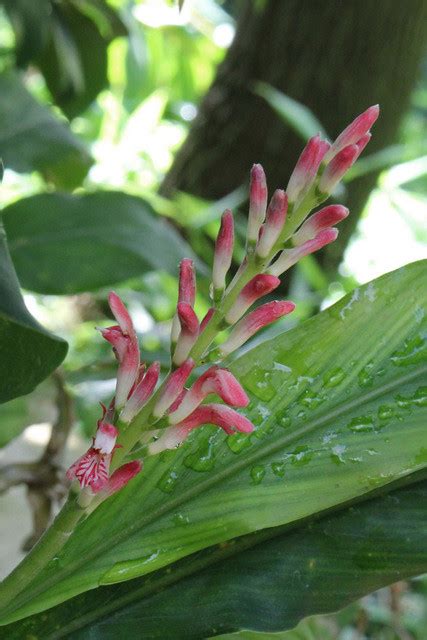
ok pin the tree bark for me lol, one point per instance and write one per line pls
(336, 57)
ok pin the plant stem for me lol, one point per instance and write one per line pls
(49, 544)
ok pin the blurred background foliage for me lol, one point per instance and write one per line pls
(126, 127)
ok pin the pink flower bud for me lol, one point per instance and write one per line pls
(354, 132)
(221, 416)
(362, 142)
(187, 282)
(289, 257)
(105, 437)
(207, 318)
(223, 250)
(214, 380)
(275, 220)
(127, 372)
(257, 202)
(142, 391)
(121, 314)
(122, 476)
(173, 387)
(115, 336)
(189, 332)
(250, 324)
(337, 167)
(306, 168)
(323, 219)
(186, 292)
(259, 286)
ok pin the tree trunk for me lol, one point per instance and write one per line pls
(336, 57)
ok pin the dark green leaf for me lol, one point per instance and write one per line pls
(66, 244)
(30, 22)
(339, 405)
(32, 138)
(270, 586)
(74, 63)
(29, 353)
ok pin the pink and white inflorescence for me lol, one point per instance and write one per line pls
(279, 234)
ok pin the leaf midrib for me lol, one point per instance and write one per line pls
(198, 488)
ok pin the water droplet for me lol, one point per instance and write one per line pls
(285, 421)
(179, 519)
(278, 468)
(278, 366)
(414, 351)
(258, 381)
(337, 453)
(361, 424)
(385, 412)
(238, 442)
(364, 377)
(203, 459)
(168, 481)
(334, 377)
(418, 399)
(310, 399)
(257, 474)
(302, 455)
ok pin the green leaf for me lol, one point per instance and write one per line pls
(265, 585)
(339, 408)
(32, 138)
(67, 244)
(30, 22)
(296, 115)
(74, 63)
(29, 353)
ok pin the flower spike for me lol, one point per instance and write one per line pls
(257, 203)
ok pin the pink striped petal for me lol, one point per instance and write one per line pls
(323, 219)
(254, 321)
(105, 437)
(257, 202)
(259, 286)
(91, 470)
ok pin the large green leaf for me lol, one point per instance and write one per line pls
(67, 244)
(32, 138)
(266, 585)
(29, 353)
(339, 409)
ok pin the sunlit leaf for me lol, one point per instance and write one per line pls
(339, 408)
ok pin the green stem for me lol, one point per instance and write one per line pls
(46, 548)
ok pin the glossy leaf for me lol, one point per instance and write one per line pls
(296, 115)
(339, 407)
(67, 244)
(266, 585)
(29, 353)
(32, 138)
